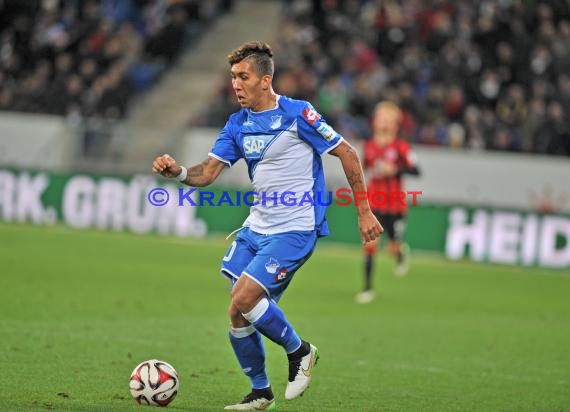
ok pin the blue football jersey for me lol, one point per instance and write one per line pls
(282, 148)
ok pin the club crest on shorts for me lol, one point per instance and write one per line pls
(272, 265)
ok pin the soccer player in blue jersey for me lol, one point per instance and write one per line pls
(282, 141)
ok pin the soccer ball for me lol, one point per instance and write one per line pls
(154, 382)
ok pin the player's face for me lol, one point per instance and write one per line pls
(247, 84)
(386, 121)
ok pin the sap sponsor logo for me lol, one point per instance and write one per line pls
(326, 131)
(311, 115)
(283, 272)
(253, 145)
(271, 265)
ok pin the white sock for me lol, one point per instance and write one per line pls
(242, 332)
(258, 311)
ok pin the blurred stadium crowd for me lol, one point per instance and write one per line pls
(474, 74)
(89, 58)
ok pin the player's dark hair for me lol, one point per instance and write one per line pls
(259, 52)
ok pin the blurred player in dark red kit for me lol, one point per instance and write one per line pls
(386, 159)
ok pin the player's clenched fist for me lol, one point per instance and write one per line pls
(166, 166)
(370, 227)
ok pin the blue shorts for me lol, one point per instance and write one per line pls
(270, 260)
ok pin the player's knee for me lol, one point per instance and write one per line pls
(244, 301)
(233, 312)
(236, 318)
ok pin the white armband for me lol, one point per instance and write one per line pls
(183, 174)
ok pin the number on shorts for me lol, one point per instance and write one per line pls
(230, 253)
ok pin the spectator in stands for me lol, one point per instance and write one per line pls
(554, 135)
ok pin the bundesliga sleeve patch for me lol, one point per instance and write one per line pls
(311, 115)
(326, 131)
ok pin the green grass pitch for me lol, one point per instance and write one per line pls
(79, 309)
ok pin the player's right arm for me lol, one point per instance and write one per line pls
(199, 175)
(224, 153)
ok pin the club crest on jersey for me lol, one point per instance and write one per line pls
(283, 272)
(275, 122)
(271, 265)
(253, 146)
(311, 115)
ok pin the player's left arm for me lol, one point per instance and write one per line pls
(323, 138)
(370, 228)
